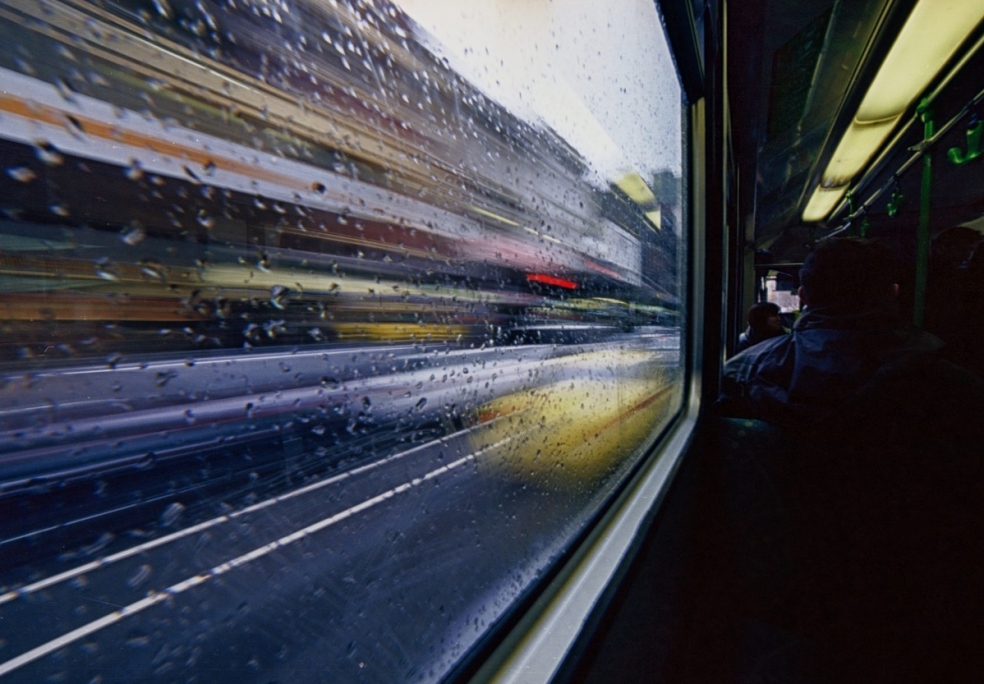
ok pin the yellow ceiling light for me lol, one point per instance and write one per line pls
(637, 190)
(855, 149)
(822, 203)
(930, 37)
(655, 217)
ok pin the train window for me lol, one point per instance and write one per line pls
(328, 327)
(780, 289)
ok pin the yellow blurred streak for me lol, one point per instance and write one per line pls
(254, 278)
(397, 332)
(656, 218)
(85, 307)
(573, 433)
(637, 190)
(859, 144)
(500, 219)
(822, 203)
(191, 77)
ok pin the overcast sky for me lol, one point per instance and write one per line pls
(598, 72)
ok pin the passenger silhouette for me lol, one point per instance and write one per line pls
(952, 294)
(763, 324)
(881, 477)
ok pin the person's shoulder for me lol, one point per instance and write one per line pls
(744, 363)
(915, 398)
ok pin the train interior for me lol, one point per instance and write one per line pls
(799, 76)
(378, 341)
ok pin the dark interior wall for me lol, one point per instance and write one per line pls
(660, 624)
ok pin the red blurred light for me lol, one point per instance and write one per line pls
(551, 280)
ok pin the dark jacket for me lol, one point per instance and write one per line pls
(830, 355)
(751, 337)
(880, 446)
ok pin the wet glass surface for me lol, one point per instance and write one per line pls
(326, 327)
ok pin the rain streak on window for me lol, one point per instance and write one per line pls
(326, 328)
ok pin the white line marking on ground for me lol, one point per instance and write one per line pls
(156, 597)
(161, 541)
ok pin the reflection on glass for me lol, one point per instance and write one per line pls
(321, 338)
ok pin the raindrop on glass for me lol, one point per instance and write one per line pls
(141, 575)
(22, 174)
(134, 171)
(46, 152)
(152, 269)
(163, 8)
(133, 234)
(172, 513)
(205, 220)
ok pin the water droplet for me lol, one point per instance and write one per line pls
(134, 171)
(137, 640)
(107, 272)
(274, 328)
(25, 67)
(47, 153)
(74, 126)
(172, 513)
(65, 90)
(161, 378)
(278, 296)
(191, 174)
(421, 404)
(152, 269)
(205, 220)
(22, 174)
(59, 209)
(139, 577)
(98, 545)
(96, 79)
(66, 53)
(163, 8)
(133, 234)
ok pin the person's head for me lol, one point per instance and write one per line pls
(849, 272)
(954, 246)
(764, 317)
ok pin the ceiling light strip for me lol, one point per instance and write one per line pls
(928, 40)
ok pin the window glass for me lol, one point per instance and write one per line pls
(781, 289)
(326, 327)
